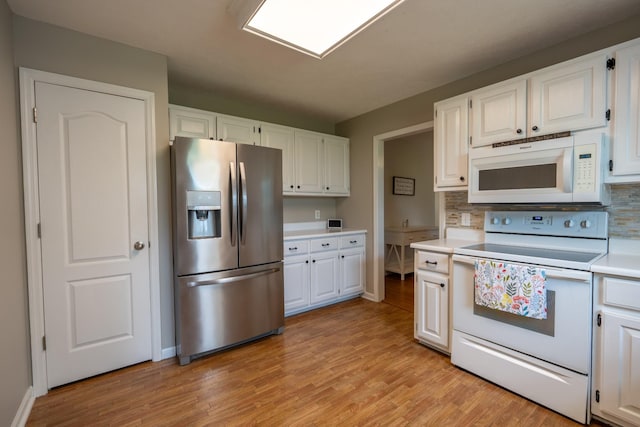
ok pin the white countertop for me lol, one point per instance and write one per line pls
(455, 238)
(309, 230)
(623, 259)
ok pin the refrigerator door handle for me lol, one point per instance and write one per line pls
(232, 279)
(243, 207)
(234, 202)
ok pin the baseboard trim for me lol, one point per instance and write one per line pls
(20, 420)
(168, 353)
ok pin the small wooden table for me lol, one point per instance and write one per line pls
(397, 259)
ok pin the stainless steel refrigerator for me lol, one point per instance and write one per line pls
(227, 244)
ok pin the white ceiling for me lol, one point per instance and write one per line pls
(420, 45)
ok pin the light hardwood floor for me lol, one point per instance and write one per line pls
(353, 363)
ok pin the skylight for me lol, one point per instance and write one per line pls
(315, 27)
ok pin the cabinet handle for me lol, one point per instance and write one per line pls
(519, 131)
(442, 285)
(353, 242)
(324, 245)
(293, 249)
(431, 262)
(535, 128)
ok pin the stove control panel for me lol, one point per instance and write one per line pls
(584, 224)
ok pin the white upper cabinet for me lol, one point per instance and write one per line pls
(192, 123)
(626, 116)
(336, 165)
(569, 97)
(309, 162)
(499, 113)
(239, 130)
(566, 97)
(451, 136)
(281, 137)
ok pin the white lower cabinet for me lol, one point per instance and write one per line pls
(322, 270)
(431, 299)
(616, 379)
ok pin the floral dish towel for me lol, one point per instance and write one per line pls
(517, 289)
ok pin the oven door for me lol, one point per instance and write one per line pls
(564, 338)
(537, 172)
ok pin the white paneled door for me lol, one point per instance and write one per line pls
(94, 231)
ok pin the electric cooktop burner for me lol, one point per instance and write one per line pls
(564, 255)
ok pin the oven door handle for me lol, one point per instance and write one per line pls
(551, 273)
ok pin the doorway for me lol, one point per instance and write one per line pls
(92, 250)
(379, 251)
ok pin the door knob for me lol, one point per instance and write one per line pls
(138, 246)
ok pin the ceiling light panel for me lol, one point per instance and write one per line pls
(315, 27)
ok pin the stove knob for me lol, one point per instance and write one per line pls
(495, 220)
(585, 223)
(569, 223)
(506, 221)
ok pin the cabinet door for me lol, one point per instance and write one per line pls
(191, 123)
(324, 277)
(620, 393)
(236, 129)
(626, 113)
(296, 283)
(431, 308)
(336, 165)
(281, 137)
(309, 165)
(499, 113)
(451, 136)
(351, 272)
(569, 97)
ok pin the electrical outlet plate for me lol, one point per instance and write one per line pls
(317, 214)
(465, 219)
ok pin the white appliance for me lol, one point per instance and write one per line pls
(545, 360)
(560, 170)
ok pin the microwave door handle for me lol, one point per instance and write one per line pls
(567, 167)
(234, 202)
(243, 206)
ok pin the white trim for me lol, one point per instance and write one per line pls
(28, 77)
(24, 410)
(168, 353)
(378, 203)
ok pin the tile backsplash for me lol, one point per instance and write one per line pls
(624, 211)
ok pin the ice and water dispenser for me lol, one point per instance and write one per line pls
(203, 209)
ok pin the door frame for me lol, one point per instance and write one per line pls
(378, 203)
(28, 78)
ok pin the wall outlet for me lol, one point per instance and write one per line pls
(465, 219)
(317, 214)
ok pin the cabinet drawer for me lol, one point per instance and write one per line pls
(433, 261)
(296, 247)
(329, 244)
(621, 293)
(351, 242)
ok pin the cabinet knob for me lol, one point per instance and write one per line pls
(298, 186)
(519, 131)
(313, 261)
(535, 128)
(327, 188)
(291, 186)
(442, 285)
(342, 256)
(306, 262)
(462, 178)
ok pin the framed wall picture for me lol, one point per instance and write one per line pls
(404, 186)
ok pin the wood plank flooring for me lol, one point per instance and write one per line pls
(398, 292)
(353, 363)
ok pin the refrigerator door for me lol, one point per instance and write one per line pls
(260, 205)
(205, 208)
(218, 310)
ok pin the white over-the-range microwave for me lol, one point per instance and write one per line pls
(561, 170)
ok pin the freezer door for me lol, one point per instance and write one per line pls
(204, 174)
(217, 310)
(260, 204)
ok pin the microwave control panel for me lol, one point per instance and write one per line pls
(585, 168)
